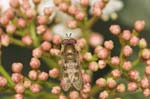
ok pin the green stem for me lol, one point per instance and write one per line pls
(6, 75)
(36, 42)
(92, 21)
(17, 42)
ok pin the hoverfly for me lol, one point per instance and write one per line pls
(71, 71)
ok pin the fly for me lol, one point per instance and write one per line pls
(71, 70)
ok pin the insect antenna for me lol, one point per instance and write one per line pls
(68, 35)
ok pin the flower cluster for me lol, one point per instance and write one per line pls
(28, 24)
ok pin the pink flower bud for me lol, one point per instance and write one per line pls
(62, 97)
(72, 10)
(103, 53)
(54, 52)
(86, 88)
(147, 70)
(87, 56)
(33, 75)
(132, 86)
(101, 82)
(47, 36)
(95, 39)
(72, 24)
(109, 44)
(30, 13)
(36, 1)
(16, 77)
(84, 95)
(84, 2)
(116, 73)
(102, 64)
(93, 66)
(86, 78)
(115, 60)
(27, 40)
(134, 40)
(146, 92)
(21, 23)
(121, 88)
(40, 29)
(4, 20)
(48, 11)
(43, 76)
(63, 7)
(56, 90)
(97, 49)
(80, 15)
(10, 28)
(81, 42)
(142, 43)
(126, 35)
(35, 88)
(103, 95)
(5, 40)
(111, 83)
(146, 54)
(42, 20)
(115, 29)
(46, 46)
(37, 52)
(134, 74)
(148, 62)
(14, 3)
(9, 13)
(127, 51)
(144, 82)
(56, 39)
(35, 63)
(19, 88)
(54, 73)
(74, 95)
(17, 67)
(18, 96)
(3, 81)
(139, 25)
(27, 83)
(127, 65)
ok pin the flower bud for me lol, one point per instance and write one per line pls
(126, 35)
(95, 39)
(42, 20)
(17, 67)
(103, 95)
(93, 66)
(144, 82)
(102, 64)
(10, 28)
(35, 88)
(87, 56)
(27, 40)
(37, 52)
(16, 77)
(56, 39)
(54, 73)
(86, 78)
(73, 95)
(35, 63)
(47, 36)
(3, 81)
(146, 53)
(62, 97)
(19, 88)
(127, 65)
(134, 74)
(5, 40)
(132, 86)
(115, 60)
(33, 75)
(115, 29)
(27, 83)
(21, 23)
(56, 90)
(134, 40)
(103, 53)
(43, 76)
(121, 88)
(127, 51)
(111, 83)
(46, 46)
(101, 82)
(109, 44)
(146, 92)
(147, 70)
(84, 2)
(142, 43)
(139, 25)
(116, 73)
(63, 7)
(18, 96)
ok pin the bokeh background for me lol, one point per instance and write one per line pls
(132, 10)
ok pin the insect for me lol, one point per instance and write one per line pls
(71, 70)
